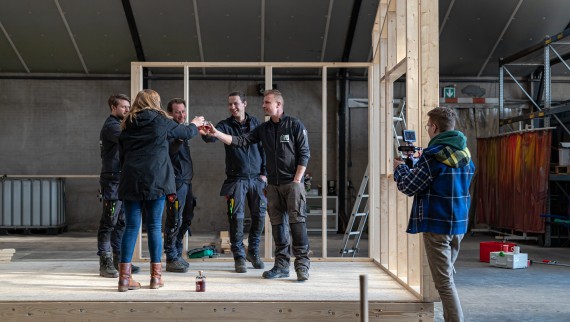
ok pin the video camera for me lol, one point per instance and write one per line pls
(408, 151)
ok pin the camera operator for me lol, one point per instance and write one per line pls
(440, 184)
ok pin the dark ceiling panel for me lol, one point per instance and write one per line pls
(295, 30)
(107, 48)
(231, 30)
(361, 47)
(470, 34)
(167, 30)
(532, 23)
(9, 62)
(39, 34)
(338, 28)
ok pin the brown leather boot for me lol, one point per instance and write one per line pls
(156, 275)
(125, 281)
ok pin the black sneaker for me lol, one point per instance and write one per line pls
(176, 266)
(302, 274)
(276, 272)
(255, 260)
(240, 265)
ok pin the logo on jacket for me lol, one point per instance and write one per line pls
(284, 138)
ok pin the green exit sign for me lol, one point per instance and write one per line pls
(449, 92)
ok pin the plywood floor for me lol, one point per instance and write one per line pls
(56, 278)
(79, 281)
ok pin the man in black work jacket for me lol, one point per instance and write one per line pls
(246, 179)
(179, 208)
(112, 223)
(286, 147)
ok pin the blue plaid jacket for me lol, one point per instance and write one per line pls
(439, 183)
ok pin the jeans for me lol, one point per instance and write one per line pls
(133, 214)
(442, 251)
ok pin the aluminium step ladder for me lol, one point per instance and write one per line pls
(359, 214)
(357, 220)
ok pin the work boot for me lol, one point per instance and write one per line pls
(125, 281)
(276, 272)
(176, 266)
(156, 276)
(116, 260)
(183, 261)
(302, 274)
(106, 268)
(255, 260)
(240, 265)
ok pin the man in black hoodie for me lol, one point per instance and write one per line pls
(286, 147)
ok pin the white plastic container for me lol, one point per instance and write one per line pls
(564, 154)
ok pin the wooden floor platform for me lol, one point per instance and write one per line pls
(73, 291)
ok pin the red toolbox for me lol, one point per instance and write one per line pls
(487, 247)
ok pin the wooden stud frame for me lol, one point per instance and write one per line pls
(136, 86)
(405, 44)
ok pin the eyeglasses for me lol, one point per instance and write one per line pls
(427, 126)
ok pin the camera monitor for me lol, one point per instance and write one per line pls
(409, 136)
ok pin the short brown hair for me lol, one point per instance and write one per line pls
(174, 101)
(115, 98)
(443, 118)
(277, 94)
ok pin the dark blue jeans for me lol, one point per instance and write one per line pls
(133, 214)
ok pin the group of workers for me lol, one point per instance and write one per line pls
(146, 167)
(146, 163)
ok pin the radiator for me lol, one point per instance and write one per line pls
(32, 203)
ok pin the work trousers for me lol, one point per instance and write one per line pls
(178, 222)
(250, 191)
(442, 251)
(286, 208)
(133, 215)
(112, 222)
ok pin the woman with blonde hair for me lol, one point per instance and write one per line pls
(147, 177)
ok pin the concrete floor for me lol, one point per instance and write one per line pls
(538, 293)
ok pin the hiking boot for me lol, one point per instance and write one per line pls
(240, 265)
(176, 266)
(116, 259)
(106, 268)
(302, 274)
(255, 260)
(276, 272)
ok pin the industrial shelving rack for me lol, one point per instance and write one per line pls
(538, 60)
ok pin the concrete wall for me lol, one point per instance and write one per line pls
(51, 127)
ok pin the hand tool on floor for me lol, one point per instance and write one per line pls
(549, 262)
